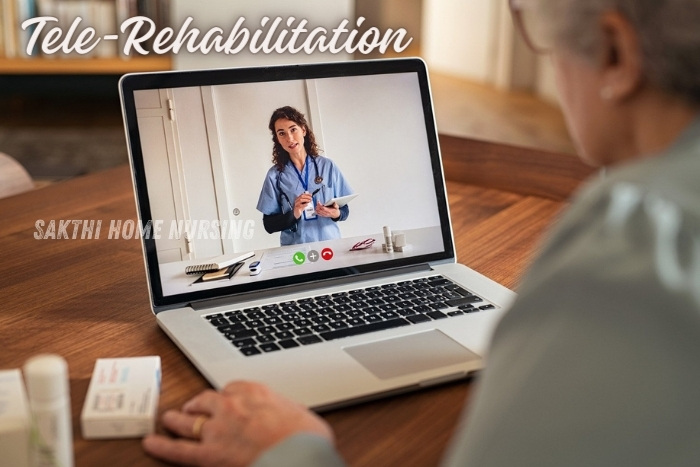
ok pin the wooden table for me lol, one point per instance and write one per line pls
(86, 299)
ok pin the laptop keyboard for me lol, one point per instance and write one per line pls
(307, 321)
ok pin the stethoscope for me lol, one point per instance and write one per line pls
(282, 195)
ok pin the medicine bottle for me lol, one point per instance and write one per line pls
(46, 378)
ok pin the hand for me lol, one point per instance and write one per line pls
(300, 203)
(242, 421)
(331, 211)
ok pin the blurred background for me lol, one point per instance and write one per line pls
(60, 115)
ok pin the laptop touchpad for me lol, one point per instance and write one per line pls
(404, 355)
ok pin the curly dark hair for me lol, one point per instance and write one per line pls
(280, 156)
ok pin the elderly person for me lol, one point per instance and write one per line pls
(596, 363)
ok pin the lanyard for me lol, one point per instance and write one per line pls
(305, 184)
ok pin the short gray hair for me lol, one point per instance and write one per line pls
(669, 32)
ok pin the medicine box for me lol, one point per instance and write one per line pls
(15, 422)
(122, 399)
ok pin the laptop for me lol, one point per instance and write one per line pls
(329, 310)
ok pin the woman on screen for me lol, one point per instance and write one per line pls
(298, 188)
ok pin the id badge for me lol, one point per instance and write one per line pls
(310, 212)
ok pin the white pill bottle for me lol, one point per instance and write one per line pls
(46, 378)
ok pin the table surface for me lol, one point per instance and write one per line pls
(86, 299)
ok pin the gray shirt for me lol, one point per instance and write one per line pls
(598, 361)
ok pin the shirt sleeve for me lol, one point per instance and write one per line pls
(268, 201)
(302, 450)
(340, 188)
(596, 362)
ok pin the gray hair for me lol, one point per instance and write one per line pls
(669, 31)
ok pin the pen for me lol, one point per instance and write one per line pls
(316, 191)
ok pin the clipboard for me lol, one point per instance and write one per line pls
(341, 200)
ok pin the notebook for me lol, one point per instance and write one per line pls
(319, 319)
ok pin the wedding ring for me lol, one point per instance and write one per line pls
(197, 426)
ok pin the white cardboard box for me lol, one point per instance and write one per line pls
(15, 422)
(122, 399)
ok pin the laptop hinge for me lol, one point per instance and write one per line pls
(301, 288)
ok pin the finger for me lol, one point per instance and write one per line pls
(176, 451)
(206, 402)
(182, 424)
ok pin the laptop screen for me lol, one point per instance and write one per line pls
(313, 172)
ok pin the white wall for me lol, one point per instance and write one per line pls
(225, 13)
(372, 127)
(460, 37)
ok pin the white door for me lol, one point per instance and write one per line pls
(164, 176)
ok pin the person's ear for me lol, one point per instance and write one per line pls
(621, 58)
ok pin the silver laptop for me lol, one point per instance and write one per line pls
(341, 304)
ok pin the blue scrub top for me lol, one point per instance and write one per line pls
(333, 185)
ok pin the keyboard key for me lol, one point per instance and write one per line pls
(370, 319)
(438, 280)
(284, 335)
(302, 331)
(305, 300)
(248, 351)
(355, 321)
(243, 343)
(464, 300)
(306, 340)
(231, 328)
(388, 315)
(357, 330)
(241, 334)
(266, 330)
(320, 328)
(266, 339)
(269, 347)
(487, 307)
(273, 320)
(338, 325)
(255, 323)
(436, 315)
(288, 343)
(219, 322)
(284, 326)
(455, 313)
(415, 319)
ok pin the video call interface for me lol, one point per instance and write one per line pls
(366, 186)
